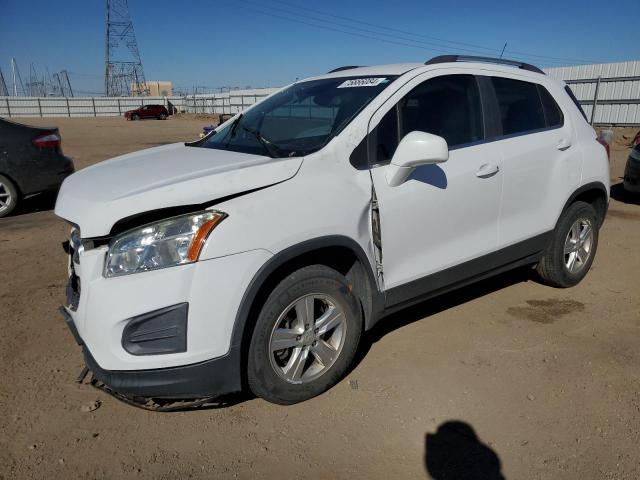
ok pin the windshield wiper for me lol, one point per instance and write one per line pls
(270, 148)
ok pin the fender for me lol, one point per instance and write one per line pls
(281, 258)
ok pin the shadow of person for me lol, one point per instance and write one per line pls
(454, 452)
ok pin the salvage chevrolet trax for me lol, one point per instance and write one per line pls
(256, 257)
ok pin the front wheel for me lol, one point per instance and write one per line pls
(135, 116)
(305, 337)
(162, 116)
(573, 248)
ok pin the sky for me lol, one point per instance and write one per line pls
(260, 43)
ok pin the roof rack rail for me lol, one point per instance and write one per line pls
(347, 67)
(472, 58)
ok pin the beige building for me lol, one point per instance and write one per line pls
(156, 88)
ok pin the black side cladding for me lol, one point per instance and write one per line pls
(159, 332)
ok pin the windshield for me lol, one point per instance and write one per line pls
(300, 119)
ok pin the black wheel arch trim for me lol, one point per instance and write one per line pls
(289, 254)
(585, 188)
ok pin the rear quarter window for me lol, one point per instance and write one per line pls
(552, 113)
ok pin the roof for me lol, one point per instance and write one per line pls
(374, 70)
(398, 69)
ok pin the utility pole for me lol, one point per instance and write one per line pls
(65, 77)
(17, 78)
(107, 56)
(56, 79)
(13, 73)
(3, 86)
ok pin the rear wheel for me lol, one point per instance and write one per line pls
(572, 250)
(8, 196)
(306, 336)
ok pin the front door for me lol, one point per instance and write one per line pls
(442, 215)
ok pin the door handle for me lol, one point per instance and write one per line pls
(563, 144)
(487, 170)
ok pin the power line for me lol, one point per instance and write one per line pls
(355, 34)
(416, 43)
(447, 42)
(373, 32)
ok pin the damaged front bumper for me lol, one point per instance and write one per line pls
(201, 381)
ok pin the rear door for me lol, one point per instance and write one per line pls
(541, 164)
(147, 111)
(446, 214)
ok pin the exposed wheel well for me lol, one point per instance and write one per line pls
(341, 258)
(595, 196)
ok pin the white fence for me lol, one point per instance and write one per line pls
(224, 103)
(609, 92)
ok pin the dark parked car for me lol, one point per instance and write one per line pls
(147, 111)
(31, 162)
(632, 171)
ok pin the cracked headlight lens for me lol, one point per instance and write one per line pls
(175, 241)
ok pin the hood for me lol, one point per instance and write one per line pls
(95, 198)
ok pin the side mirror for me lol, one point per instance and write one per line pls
(415, 149)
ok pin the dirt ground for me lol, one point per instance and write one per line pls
(504, 376)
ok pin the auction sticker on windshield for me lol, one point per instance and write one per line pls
(362, 82)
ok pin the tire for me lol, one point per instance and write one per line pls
(163, 116)
(563, 268)
(9, 196)
(135, 116)
(282, 376)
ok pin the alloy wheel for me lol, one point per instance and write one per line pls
(307, 338)
(577, 245)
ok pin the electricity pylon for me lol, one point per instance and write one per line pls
(123, 74)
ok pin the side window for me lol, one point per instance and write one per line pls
(448, 106)
(552, 113)
(520, 105)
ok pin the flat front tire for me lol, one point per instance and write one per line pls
(573, 247)
(306, 336)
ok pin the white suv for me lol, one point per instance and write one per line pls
(257, 256)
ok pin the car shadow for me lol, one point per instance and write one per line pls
(621, 195)
(454, 451)
(38, 203)
(436, 305)
(387, 325)
(396, 321)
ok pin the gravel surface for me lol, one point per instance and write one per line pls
(506, 377)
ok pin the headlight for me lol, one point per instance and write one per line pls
(175, 241)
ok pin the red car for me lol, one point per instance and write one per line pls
(147, 111)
